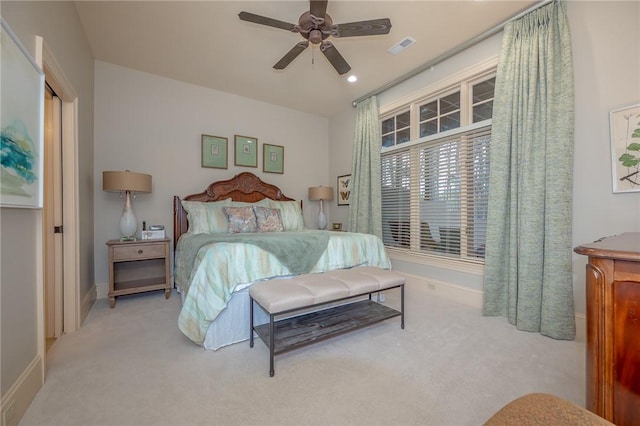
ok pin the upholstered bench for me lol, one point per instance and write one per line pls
(296, 300)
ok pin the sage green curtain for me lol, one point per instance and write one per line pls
(365, 211)
(527, 274)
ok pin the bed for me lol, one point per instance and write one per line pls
(217, 257)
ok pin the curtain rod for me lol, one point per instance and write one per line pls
(467, 44)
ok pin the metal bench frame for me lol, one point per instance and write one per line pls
(319, 325)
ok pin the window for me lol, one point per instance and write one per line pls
(396, 129)
(440, 114)
(482, 100)
(435, 186)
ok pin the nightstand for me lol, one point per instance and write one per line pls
(138, 266)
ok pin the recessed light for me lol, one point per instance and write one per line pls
(352, 79)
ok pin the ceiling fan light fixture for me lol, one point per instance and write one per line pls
(315, 36)
(352, 79)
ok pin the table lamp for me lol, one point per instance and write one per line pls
(321, 193)
(127, 182)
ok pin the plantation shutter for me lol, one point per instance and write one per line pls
(434, 193)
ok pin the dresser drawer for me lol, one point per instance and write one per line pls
(136, 252)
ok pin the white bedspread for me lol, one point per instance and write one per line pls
(220, 269)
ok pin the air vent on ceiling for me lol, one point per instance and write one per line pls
(401, 45)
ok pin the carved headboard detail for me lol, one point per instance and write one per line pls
(245, 187)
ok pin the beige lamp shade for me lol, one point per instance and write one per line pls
(321, 193)
(126, 181)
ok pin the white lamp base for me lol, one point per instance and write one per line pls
(322, 219)
(128, 221)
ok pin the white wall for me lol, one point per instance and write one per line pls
(606, 42)
(21, 352)
(151, 124)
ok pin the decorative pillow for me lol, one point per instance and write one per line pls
(268, 220)
(206, 218)
(240, 219)
(291, 214)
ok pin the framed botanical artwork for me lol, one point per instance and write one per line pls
(246, 151)
(272, 158)
(624, 125)
(214, 152)
(21, 124)
(344, 190)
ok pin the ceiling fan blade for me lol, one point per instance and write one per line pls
(364, 28)
(263, 20)
(291, 55)
(318, 8)
(335, 57)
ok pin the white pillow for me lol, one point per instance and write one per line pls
(291, 214)
(263, 203)
(206, 218)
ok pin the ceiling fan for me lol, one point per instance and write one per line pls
(316, 26)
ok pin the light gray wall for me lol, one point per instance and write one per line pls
(153, 125)
(58, 24)
(341, 134)
(606, 42)
(18, 280)
(606, 52)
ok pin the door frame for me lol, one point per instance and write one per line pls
(55, 77)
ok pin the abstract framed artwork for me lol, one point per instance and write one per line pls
(624, 124)
(21, 125)
(344, 190)
(246, 151)
(214, 151)
(272, 158)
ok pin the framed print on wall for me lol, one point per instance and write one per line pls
(272, 158)
(344, 190)
(21, 124)
(246, 151)
(214, 152)
(625, 148)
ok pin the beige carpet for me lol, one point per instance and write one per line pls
(449, 366)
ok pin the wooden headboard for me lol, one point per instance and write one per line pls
(245, 187)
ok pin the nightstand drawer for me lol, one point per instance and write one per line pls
(135, 252)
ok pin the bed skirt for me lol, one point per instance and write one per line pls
(232, 325)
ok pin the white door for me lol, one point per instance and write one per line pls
(53, 277)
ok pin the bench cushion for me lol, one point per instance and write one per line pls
(281, 295)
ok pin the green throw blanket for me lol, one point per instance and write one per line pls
(299, 251)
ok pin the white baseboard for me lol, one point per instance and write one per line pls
(449, 291)
(19, 396)
(473, 298)
(87, 302)
(102, 290)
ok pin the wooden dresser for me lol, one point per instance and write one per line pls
(613, 327)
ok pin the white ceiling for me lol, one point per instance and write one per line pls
(205, 43)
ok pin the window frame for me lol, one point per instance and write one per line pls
(463, 82)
